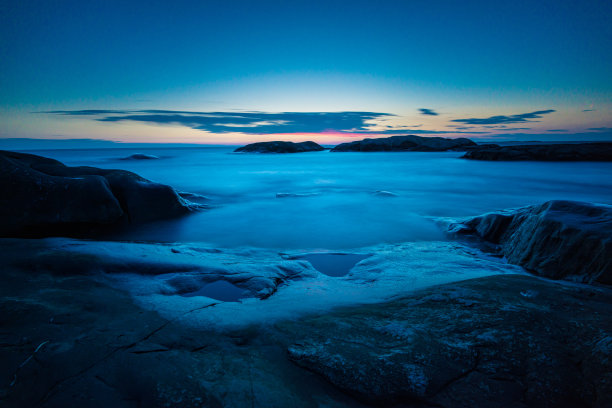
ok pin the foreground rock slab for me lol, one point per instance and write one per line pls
(41, 196)
(544, 152)
(409, 143)
(280, 147)
(557, 239)
(502, 341)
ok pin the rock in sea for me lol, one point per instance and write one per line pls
(546, 152)
(41, 196)
(408, 143)
(280, 147)
(557, 239)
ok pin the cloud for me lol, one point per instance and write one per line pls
(259, 123)
(425, 111)
(496, 120)
(86, 112)
(557, 130)
(243, 122)
(589, 110)
(601, 129)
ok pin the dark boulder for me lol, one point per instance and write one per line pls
(42, 196)
(409, 143)
(280, 147)
(543, 152)
(557, 239)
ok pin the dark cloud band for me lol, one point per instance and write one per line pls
(496, 120)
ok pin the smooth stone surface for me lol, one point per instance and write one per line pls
(41, 196)
(557, 239)
(503, 341)
(543, 152)
(280, 147)
(409, 143)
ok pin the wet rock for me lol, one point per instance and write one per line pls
(280, 147)
(543, 152)
(42, 196)
(557, 239)
(409, 143)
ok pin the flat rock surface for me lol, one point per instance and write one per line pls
(405, 144)
(502, 341)
(543, 152)
(280, 147)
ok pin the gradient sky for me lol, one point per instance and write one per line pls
(240, 71)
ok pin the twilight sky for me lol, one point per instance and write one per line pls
(227, 72)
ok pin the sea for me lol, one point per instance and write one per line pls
(331, 200)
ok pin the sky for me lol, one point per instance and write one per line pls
(233, 72)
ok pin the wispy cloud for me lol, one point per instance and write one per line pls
(431, 112)
(601, 129)
(495, 120)
(258, 123)
(557, 130)
(589, 110)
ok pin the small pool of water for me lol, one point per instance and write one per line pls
(220, 290)
(333, 264)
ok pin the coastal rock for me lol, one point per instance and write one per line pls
(557, 239)
(42, 196)
(502, 341)
(543, 152)
(408, 143)
(280, 147)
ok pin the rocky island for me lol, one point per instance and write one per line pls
(280, 147)
(408, 143)
(543, 152)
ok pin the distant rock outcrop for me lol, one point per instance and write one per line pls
(557, 239)
(280, 147)
(140, 156)
(41, 196)
(409, 143)
(543, 152)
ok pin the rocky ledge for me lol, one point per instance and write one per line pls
(501, 341)
(280, 147)
(409, 143)
(42, 196)
(557, 239)
(544, 152)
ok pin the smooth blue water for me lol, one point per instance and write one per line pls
(339, 208)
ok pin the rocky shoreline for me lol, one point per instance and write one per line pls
(42, 196)
(122, 324)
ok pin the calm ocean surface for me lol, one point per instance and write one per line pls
(337, 204)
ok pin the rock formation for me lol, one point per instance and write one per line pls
(557, 239)
(407, 143)
(280, 147)
(543, 152)
(41, 196)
